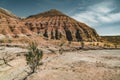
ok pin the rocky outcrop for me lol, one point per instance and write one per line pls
(54, 24)
(12, 26)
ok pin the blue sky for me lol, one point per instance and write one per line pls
(103, 15)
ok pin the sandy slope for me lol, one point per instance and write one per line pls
(77, 65)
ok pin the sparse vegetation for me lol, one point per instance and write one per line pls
(97, 44)
(115, 44)
(34, 56)
(82, 44)
(61, 44)
(115, 40)
(104, 45)
(6, 40)
(61, 49)
(6, 58)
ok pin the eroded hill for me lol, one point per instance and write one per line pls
(51, 24)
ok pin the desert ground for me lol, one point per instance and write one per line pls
(70, 65)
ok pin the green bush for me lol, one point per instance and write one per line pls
(34, 56)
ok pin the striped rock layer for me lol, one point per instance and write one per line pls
(52, 24)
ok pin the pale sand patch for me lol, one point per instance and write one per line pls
(76, 65)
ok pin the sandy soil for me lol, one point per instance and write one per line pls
(76, 65)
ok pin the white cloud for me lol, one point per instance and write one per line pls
(103, 7)
(97, 14)
(86, 17)
(115, 17)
